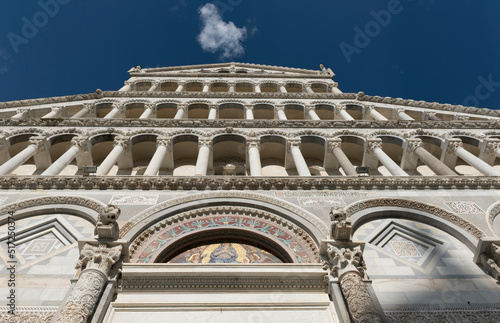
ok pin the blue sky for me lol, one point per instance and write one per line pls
(444, 51)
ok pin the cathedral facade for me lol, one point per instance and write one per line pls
(247, 193)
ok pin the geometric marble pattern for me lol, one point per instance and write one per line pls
(405, 249)
(464, 207)
(40, 246)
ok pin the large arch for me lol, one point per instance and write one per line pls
(367, 210)
(184, 230)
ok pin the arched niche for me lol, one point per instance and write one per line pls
(368, 210)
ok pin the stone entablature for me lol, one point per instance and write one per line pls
(246, 183)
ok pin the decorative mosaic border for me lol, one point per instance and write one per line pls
(256, 217)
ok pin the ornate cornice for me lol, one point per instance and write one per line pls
(274, 123)
(247, 183)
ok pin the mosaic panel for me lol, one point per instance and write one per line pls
(134, 199)
(464, 207)
(226, 253)
(260, 225)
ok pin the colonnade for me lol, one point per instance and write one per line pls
(373, 149)
(257, 87)
(338, 111)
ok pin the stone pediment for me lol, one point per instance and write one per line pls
(230, 69)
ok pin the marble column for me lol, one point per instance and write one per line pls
(280, 111)
(87, 108)
(148, 110)
(428, 159)
(456, 146)
(52, 114)
(181, 110)
(116, 108)
(35, 143)
(343, 113)
(282, 88)
(308, 89)
(311, 112)
(212, 112)
(346, 265)
(206, 87)
(375, 114)
(97, 260)
(77, 144)
(336, 148)
(298, 159)
(257, 87)
(126, 87)
(376, 148)
(249, 112)
(254, 157)
(20, 114)
(204, 147)
(120, 145)
(402, 115)
(154, 86)
(180, 87)
(432, 116)
(163, 146)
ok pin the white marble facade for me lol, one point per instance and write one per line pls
(226, 163)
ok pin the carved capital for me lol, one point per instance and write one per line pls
(149, 106)
(344, 260)
(374, 144)
(37, 141)
(332, 144)
(118, 106)
(341, 107)
(280, 108)
(182, 107)
(249, 107)
(24, 112)
(454, 145)
(414, 144)
(294, 142)
(79, 142)
(400, 110)
(462, 118)
(164, 141)
(121, 141)
(492, 146)
(369, 108)
(100, 258)
(89, 106)
(310, 107)
(205, 143)
(253, 143)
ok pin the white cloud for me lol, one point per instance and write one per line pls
(218, 35)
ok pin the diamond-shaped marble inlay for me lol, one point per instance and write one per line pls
(400, 245)
(39, 247)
